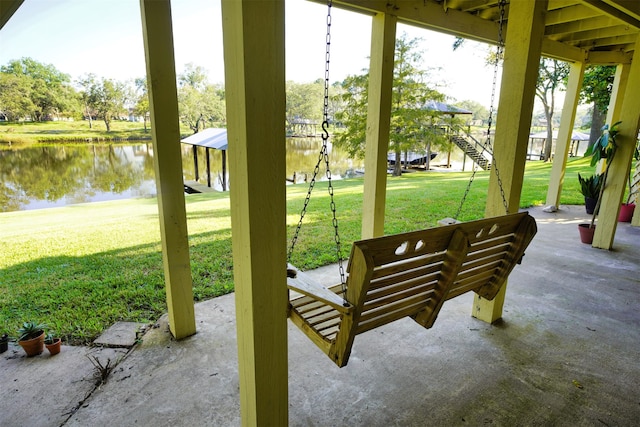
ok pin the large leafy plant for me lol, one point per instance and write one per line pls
(603, 149)
(590, 186)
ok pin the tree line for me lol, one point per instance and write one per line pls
(33, 91)
(30, 90)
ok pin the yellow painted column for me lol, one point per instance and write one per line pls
(383, 39)
(571, 99)
(621, 164)
(619, 85)
(615, 102)
(253, 33)
(525, 31)
(165, 131)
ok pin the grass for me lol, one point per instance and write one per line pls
(65, 131)
(80, 268)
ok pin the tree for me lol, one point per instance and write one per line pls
(107, 98)
(141, 107)
(198, 101)
(552, 76)
(304, 103)
(15, 99)
(596, 89)
(411, 127)
(479, 111)
(87, 82)
(50, 92)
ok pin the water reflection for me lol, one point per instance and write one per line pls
(40, 177)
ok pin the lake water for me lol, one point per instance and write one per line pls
(43, 177)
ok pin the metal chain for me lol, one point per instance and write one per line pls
(324, 156)
(493, 165)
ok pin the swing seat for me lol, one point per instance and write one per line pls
(409, 274)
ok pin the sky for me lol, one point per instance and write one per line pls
(104, 37)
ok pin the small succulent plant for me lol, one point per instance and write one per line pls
(30, 330)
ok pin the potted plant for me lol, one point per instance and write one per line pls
(590, 189)
(626, 210)
(31, 338)
(603, 149)
(4, 342)
(52, 343)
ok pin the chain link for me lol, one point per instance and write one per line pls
(488, 145)
(324, 156)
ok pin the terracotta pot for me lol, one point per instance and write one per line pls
(586, 233)
(34, 346)
(626, 212)
(55, 347)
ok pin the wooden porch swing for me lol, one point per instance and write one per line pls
(403, 275)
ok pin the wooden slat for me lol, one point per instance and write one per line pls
(397, 298)
(305, 285)
(430, 271)
(400, 287)
(422, 261)
(388, 317)
(456, 253)
(386, 284)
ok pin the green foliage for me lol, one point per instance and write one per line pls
(30, 330)
(605, 147)
(590, 186)
(200, 104)
(50, 337)
(597, 84)
(81, 268)
(410, 125)
(304, 102)
(104, 98)
(46, 90)
(552, 76)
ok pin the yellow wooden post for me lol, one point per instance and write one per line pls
(253, 33)
(165, 131)
(615, 102)
(383, 39)
(619, 86)
(621, 163)
(567, 120)
(520, 72)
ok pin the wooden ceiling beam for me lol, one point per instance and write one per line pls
(617, 13)
(617, 42)
(608, 58)
(7, 9)
(570, 14)
(588, 24)
(581, 36)
(559, 4)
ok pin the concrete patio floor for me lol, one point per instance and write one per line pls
(565, 354)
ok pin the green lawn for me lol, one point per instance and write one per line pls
(81, 268)
(65, 131)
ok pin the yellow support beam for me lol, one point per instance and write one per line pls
(254, 60)
(619, 85)
(621, 164)
(165, 131)
(571, 99)
(519, 76)
(383, 39)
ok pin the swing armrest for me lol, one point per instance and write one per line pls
(305, 285)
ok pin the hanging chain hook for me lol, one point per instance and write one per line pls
(493, 165)
(324, 156)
